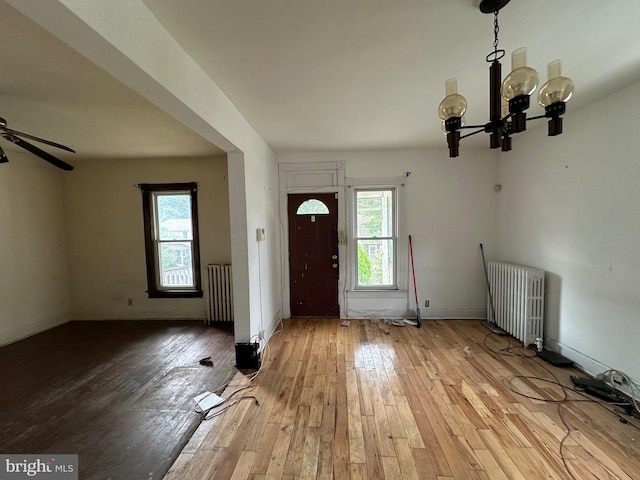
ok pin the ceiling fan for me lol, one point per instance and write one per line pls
(14, 137)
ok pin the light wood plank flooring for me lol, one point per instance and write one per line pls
(372, 401)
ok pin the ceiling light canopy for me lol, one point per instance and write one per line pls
(508, 98)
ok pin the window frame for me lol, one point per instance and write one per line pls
(154, 289)
(393, 238)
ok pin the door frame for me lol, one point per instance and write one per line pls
(316, 177)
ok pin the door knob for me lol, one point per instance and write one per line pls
(335, 265)
(334, 257)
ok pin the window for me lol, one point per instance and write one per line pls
(312, 207)
(171, 239)
(375, 238)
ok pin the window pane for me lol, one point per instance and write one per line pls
(374, 213)
(175, 264)
(375, 262)
(174, 217)
(171, 239)
(313, 207)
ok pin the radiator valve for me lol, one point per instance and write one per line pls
(539, 343)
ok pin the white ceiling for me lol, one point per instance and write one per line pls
(314, 75)
(49, 90)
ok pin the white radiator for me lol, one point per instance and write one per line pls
(518, 298)
(219, 293)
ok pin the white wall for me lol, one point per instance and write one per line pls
(34, 280)
(264, 256)
(451, 207)
(253, 204)
(106, 234)
(571, 205)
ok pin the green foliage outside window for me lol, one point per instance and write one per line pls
(376, 268)
(370, 217)
(364, 266)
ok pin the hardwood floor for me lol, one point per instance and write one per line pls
(119, 394)
(377, 401)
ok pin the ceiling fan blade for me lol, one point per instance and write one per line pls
(11, 131)
(40, 153)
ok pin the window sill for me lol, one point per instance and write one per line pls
(377, 292)
(176, 294)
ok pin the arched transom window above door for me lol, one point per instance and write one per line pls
(312, 207)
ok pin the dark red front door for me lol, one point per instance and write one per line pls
(313, 254)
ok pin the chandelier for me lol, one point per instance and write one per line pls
(516, 89)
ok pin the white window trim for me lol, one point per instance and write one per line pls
(393, 237)
(401, 247)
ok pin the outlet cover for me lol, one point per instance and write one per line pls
(426, 303)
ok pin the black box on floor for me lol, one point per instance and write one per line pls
(247, 356)
(555, 358)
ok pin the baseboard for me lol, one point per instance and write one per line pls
(584, 363)
(29, 330)
(453, 313)
(425, 314)
(176, 314)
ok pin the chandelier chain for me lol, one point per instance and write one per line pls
(497, 53)
(496, 30)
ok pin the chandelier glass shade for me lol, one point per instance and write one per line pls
(454, 104)
(557, 88)
(508, 99)
(522, 80)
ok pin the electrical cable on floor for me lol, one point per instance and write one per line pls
(607, 376)
(574, 389)
(267, 348)
(562, 402)
(507, 351)
(220, 389)
(211, 414)
(197, 409)
(278, 331)
(214, 413)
